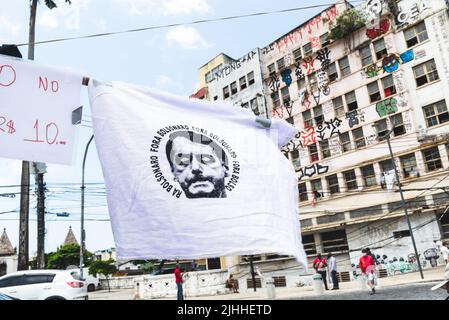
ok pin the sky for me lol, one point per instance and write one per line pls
(167, 59)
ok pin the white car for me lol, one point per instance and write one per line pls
(44, 285)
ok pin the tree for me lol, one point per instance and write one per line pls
(350, 21)
(67, 255)
(104, 267)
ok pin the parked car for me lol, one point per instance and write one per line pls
(92, 283)
(44, 285)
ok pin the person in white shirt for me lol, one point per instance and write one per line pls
(444, 252)
(332, 263)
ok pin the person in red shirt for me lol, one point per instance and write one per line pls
(320, 265)
(178, 278)
(367, 265)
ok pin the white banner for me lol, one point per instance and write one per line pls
(190, 179)
(36, 105)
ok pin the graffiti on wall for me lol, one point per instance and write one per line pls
(386, 107)
(328, 128)
(235, 65)
(306, 32)
(440, 24)
(312, 170)
(413, 12)
(286, 76)
(355, 117)
(377, 31)
(389, 64)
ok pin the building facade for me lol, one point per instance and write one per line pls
(348, 92)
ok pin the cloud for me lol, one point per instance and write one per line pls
(186, 37)
(64, 15)
(8, 29)
(157, 8)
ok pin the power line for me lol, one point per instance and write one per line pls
(96, 35)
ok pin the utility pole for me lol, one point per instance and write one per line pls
(38, 169)
(404, 205)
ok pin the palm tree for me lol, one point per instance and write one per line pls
(25, 179)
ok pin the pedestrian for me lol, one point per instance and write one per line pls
(232, 284)
(372, 255)
(332, 262)
(445, 283)
(179, 280)
(367, 265)
(320, 266)
(444, 252)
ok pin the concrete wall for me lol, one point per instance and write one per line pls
(11, 263)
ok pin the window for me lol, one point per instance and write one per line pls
(382, 129)
(318, 114)
(380, 49)
(308, 242)
(351, 100)
(388, 85)
(38, 278)
(226, 92)
(324, 39)
(275, 99)
(408, 163)
(339, 108)
(317, 188)
(302, 189)
(425, 73)
(307, 118)
(307, 48)
(369, 177)
(332, 72)
(325, 151)
(254, 106)
(297, 54)
(295, 158)
(301, 84)
(444, 221)
(345, 69)
(345, 142)
(285, 96)
(233, 88)
(365, 55)
(334, 241)
(432, 159)
(386, 165)
(415, 34)
(332, 182)
(350, 180)
(209, 77)
(12, 281)
(242, 82)
(401, 234)
(281, 64)
(313, 83)
(313, 153)
(436, 113)
(398, 125)
(359, 139)
(250, 78)
(271, 70)
(374, 92)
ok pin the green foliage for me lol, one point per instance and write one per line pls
(67, 255)
(51, 4)
(348, 22)
(104, 267)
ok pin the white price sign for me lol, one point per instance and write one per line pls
(36, 105)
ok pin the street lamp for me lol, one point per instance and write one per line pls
(83, 235)
(404, 206)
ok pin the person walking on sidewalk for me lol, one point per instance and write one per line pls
(368, 266)
(444, 251)
(178, 278)
(320, 266)
(332, 262)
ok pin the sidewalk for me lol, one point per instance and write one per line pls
(430, 275)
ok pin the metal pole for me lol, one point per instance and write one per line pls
(40, 221)
(252, 271)
(404, 204)
(83, 235)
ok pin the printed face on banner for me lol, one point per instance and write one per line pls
(198, 164)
